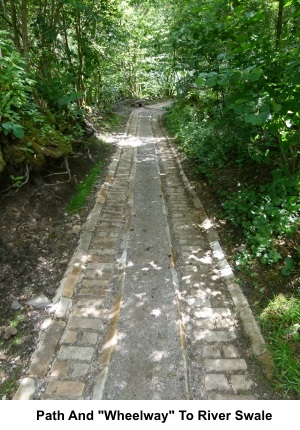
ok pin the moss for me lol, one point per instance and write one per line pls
(37, 162)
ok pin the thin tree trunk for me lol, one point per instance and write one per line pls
(80, 83)
(25, 34)
(279, 23)
(15, 25)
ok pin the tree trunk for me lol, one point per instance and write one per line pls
(279, 23)
(25, 34)
(80, 83)
(15, 25)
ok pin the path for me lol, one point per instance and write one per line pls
(148, 308)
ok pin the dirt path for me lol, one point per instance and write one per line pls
(148, 308)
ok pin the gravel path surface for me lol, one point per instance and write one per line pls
(148, 307)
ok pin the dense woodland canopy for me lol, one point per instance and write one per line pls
(59, 57)
(232, 68)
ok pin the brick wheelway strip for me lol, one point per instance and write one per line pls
(148, 307)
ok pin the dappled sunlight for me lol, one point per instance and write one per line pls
(158, 355)
(134, 142)
(205, 260)
(142, 298)
(212, 313)
(152, 265)
(156, 312)
(111, 343)
(206, 225)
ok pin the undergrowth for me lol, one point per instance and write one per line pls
(84, 189)
(262, 202)
(280, 323)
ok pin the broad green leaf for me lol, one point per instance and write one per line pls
(276, 107)
(212, 81)
(18, 131)
(224, 80)
(200, 81)
(255, 119)
(241, 101)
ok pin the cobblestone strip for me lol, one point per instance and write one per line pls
(218, 366)
(63, 366)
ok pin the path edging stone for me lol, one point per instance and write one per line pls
(62, 301)
(249, 323)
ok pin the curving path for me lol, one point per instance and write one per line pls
(148, 308)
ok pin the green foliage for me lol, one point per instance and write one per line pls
(16, 129)
(268, 215)
(14, 87)
(281, 328)
(78, 201)
(16, 181)
(210, 144)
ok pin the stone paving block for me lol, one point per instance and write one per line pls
(65, 389)
(238, 297)
(81, 353)
(104, 241)
(240, 382)
(198, 301)
(87, 312)
(230, 351)
(25, 390)
(99, 284)
(85, 323)
(103, 251)
(71, 281)
(94, 292)
(252, 330)
(113, 207)
(220, 301)
(211, 351)
(91, 302)
(191, 268)
(60, 369)
(106, 233)
(97, 258)
(101, 267)
(102, 195)
(225, 323)
(213, 313)
(62, 307)
(69, 337)
(224, 364)
(113, 214)
(216, 382)
(109, 224)
(98, 274)
(47, 347)
(84, 241)
(91, 224)
(204, 324)
(80, 370)
(198, 249)
(214, 336)
(89, 338)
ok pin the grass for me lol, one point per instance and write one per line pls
(9, 381)
(280, 323)
(11, 384)
(84, 189)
